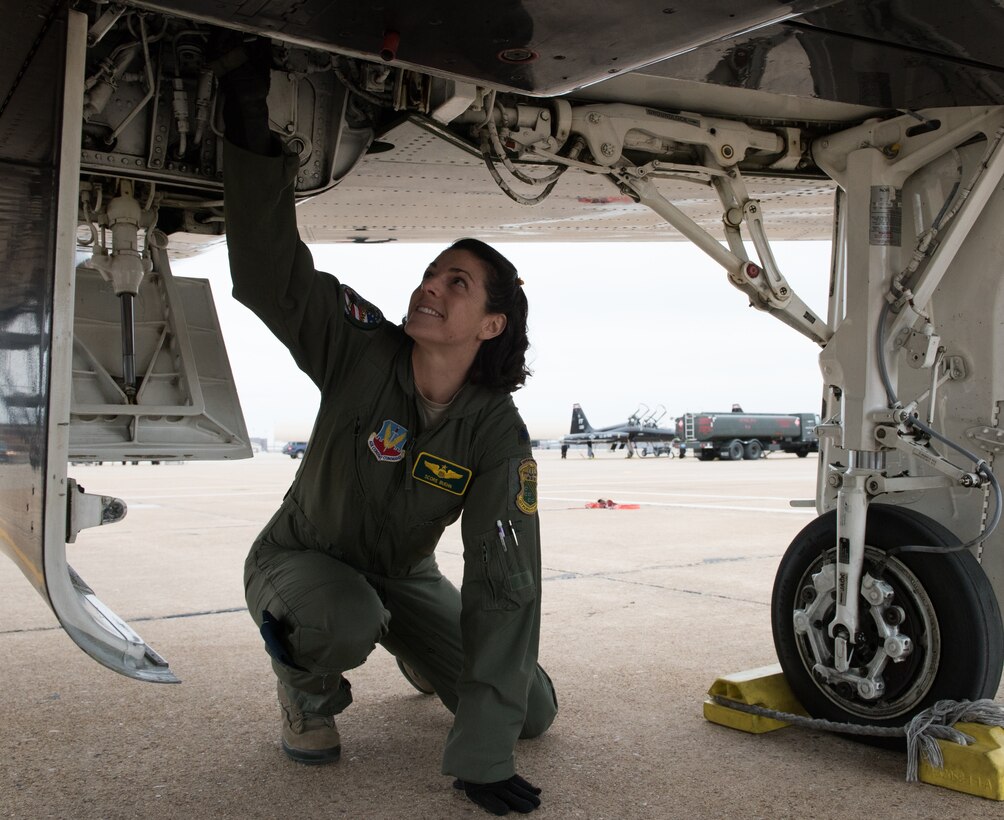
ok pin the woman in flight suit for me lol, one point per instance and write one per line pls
(416, 426)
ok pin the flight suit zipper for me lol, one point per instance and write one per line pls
(415, 446)
(409, 481)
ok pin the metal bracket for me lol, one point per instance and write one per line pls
(921, 346)
(84, 510)
(955, 368)
(989, 439)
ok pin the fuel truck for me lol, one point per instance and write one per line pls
(735, 435)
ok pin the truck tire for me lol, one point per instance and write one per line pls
(735, 450)
(752, 450)
(943, 602)
(707, 455)
(802, 452)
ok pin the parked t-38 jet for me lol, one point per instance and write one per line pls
(640, 428)
(875, 123)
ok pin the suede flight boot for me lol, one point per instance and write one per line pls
(307, 737)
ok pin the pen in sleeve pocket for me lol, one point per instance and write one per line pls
(512, 529)
(501, 532)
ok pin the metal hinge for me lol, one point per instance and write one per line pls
(84, 510)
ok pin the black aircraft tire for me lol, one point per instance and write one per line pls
(950, 613)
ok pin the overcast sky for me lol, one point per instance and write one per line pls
(613, 326)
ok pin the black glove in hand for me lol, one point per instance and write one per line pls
(515, 793)
(243, 67)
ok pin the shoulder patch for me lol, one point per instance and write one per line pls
(360, 312)
(526, 494)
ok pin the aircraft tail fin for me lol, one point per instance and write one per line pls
(579, 422)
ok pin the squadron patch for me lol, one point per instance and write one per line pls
(526, 496)
(360, 312)
(387, 444)
(441, 474)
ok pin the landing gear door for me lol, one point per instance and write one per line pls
(71, 384)
(91, 624)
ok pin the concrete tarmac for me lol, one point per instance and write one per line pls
(642, 610)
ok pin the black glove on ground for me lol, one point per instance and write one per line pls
(243, 68)
(499, 797)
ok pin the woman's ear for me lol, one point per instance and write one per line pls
(492, 326)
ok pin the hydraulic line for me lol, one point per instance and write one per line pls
(506, 188)
(510, 167)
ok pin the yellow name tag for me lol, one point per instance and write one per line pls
(441, 474)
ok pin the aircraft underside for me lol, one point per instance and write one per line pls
(718, 123)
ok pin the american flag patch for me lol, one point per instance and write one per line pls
(360, 312)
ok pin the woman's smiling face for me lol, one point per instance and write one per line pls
(449, 306)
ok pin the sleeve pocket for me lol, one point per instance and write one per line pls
(508, 582)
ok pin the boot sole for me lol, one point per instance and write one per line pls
(312, 758)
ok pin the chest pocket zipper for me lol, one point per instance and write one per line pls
(357, 452)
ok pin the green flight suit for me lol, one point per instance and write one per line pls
(347, 561)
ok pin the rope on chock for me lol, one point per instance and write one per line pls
(922, 732)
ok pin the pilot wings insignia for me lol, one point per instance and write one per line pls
(441, 474)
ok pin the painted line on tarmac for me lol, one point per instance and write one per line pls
(572, 575)
(730, 496)
(726, 507)
(632, 487)
(137, 619)
(237, 494)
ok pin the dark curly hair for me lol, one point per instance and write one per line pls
(500, 363)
